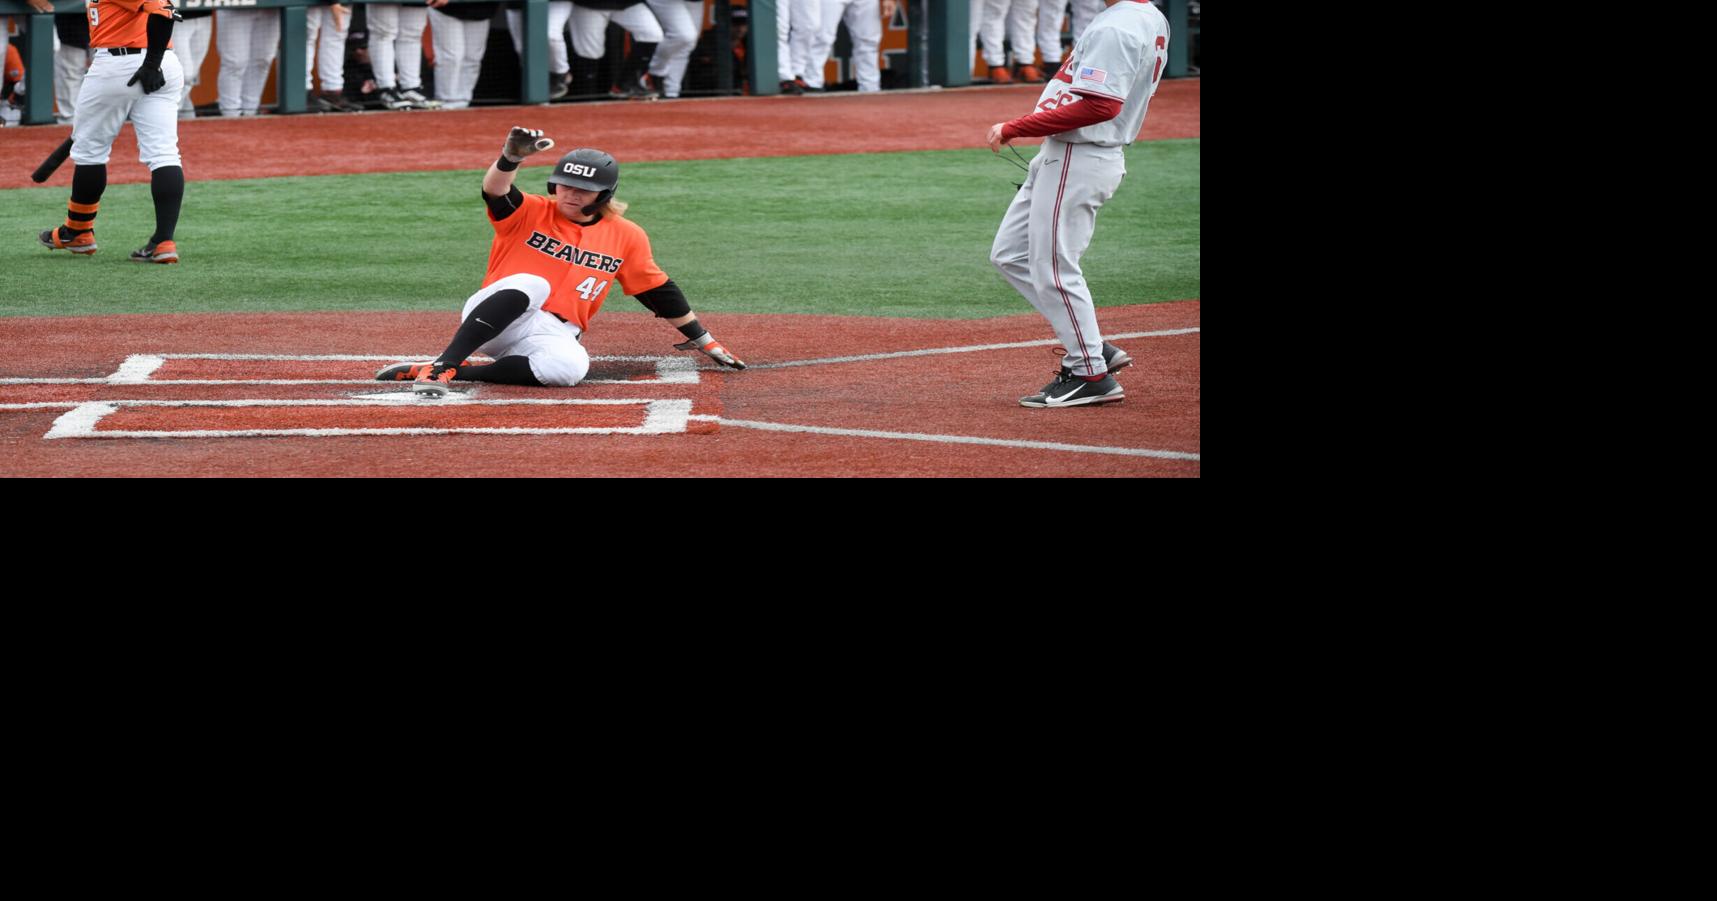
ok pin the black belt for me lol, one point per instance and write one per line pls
(121, 51)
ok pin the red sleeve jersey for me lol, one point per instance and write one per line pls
(578, 261)
(121, 23)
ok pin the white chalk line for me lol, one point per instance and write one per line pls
(949, 439)
(974, 348)
(661, 417)
(137, 369)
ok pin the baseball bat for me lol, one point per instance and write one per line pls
(53, 162)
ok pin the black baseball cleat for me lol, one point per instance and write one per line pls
(1068, 390)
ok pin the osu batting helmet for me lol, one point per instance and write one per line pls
(587, 169)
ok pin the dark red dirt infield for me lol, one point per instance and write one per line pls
(350, 143)
(948, 397)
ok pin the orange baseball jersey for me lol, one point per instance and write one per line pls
(14, 64)
(579, 262)
(121, 23)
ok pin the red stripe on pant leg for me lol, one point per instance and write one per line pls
(1055, 257)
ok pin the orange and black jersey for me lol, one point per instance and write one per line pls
(123, 23)
(578, 261)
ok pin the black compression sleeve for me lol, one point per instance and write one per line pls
(160, 31)
(666, 301)
(504, 206)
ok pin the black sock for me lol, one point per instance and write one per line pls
(167, 184)
(505, 371)
(496, 312)
(88, 184)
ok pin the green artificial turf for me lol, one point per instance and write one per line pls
(897, 234)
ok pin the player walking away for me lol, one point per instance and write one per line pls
(132, 77)
(550, 266)
(1090, 111)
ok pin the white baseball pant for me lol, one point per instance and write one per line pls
(325, 45)
(1022, 31)
(557, 359)
(864, 25)
(1050, 15)
(993, 30)
(559, 11)
(682, 24)
(590, 28)
(1083, 12)
(1044, 234)
(105, 102)
(247, 40)
(396, 39)
(191, 44)
(459, 49)
(69, 65)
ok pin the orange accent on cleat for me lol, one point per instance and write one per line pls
(1000, 75)
(434, 382)
(164, 252)
(83, 242)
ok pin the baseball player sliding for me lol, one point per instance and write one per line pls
(1088, 113)
(550, 266)
(131, 76)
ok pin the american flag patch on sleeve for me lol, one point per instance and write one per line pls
(1090, 74)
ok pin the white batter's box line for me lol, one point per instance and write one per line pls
(949, 439)
(139, 369)
(972, 348)
(661, 417)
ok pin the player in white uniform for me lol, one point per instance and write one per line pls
(1089, 112)
(247, 40)
(864, 23)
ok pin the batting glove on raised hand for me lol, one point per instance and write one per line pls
(715, 352)
(522, 142)
(150, 76)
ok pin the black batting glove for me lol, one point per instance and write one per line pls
(149, 77)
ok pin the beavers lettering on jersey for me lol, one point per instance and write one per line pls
(567, 253)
